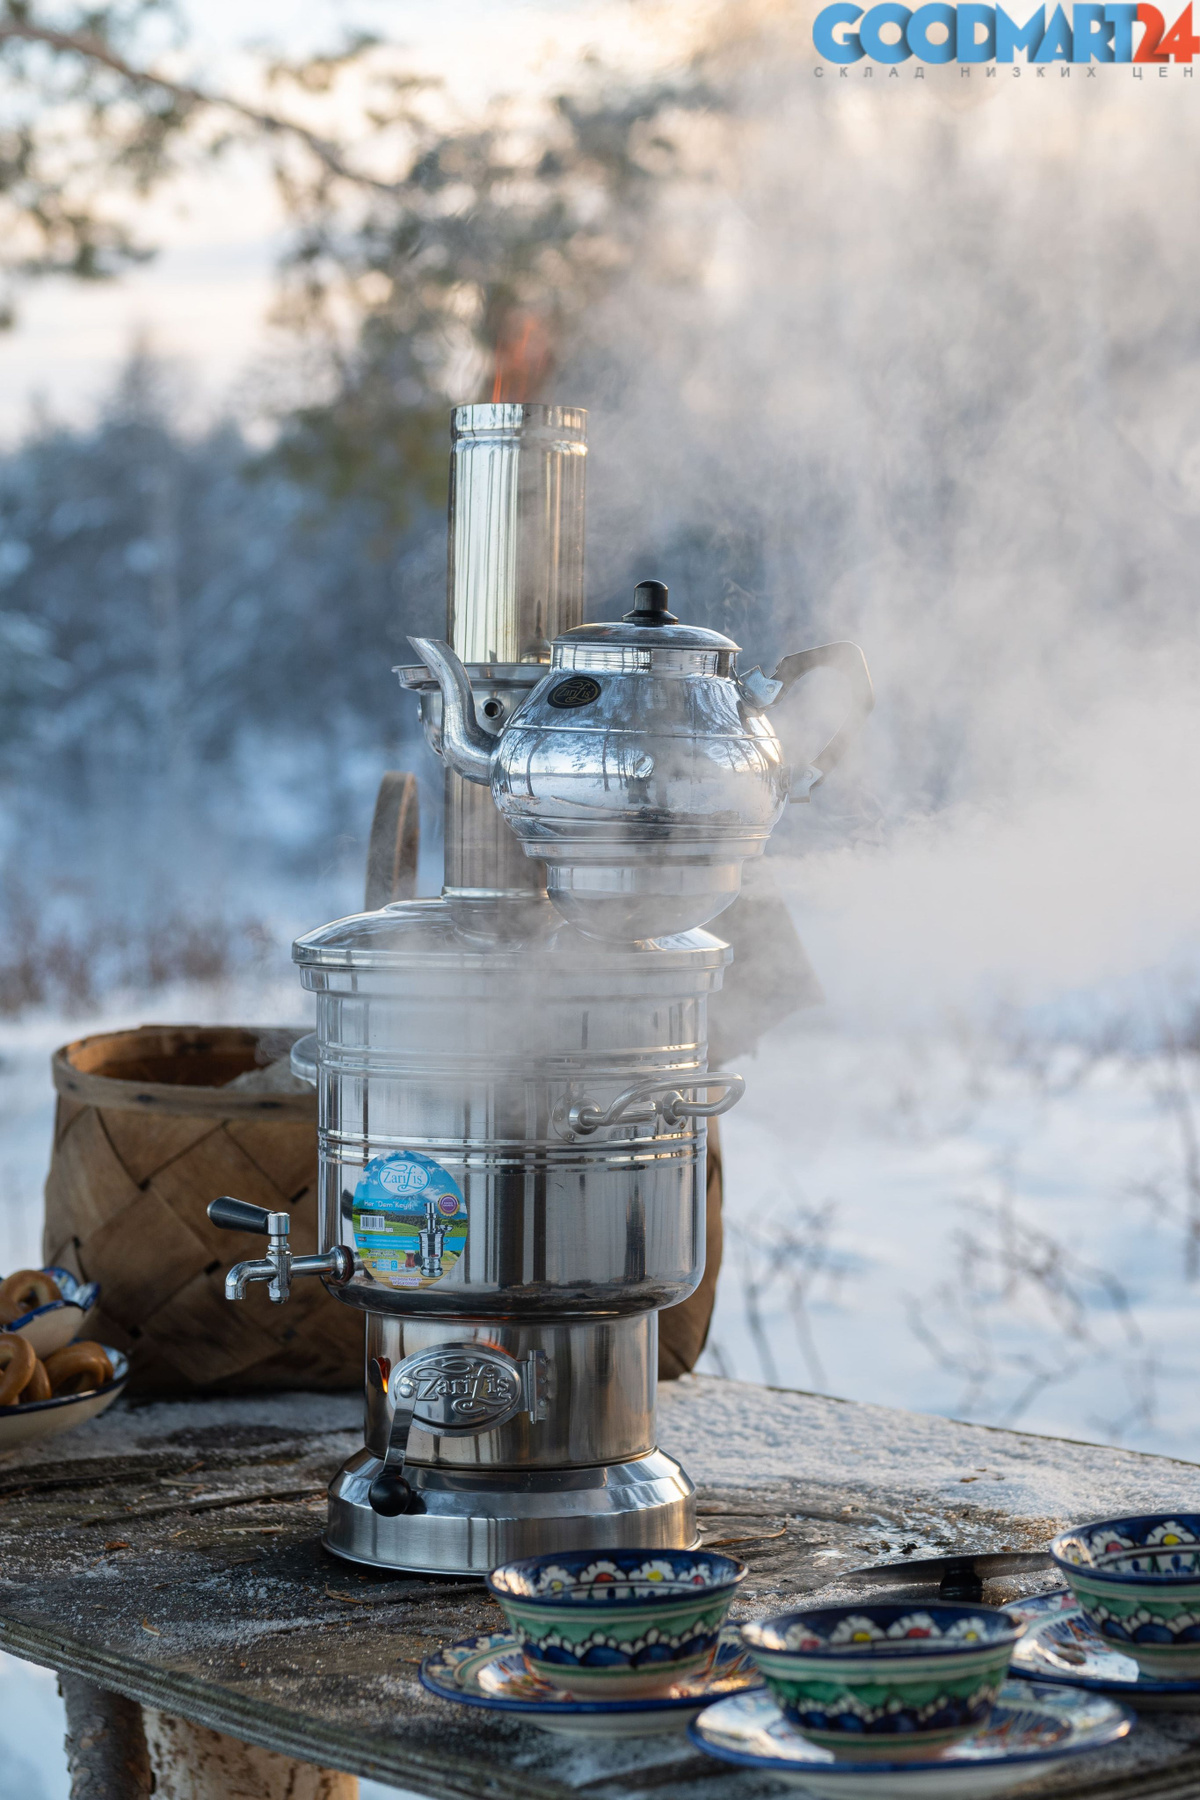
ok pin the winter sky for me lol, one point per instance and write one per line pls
(205, 297)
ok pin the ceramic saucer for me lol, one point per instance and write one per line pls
(1031, 1726)
(1060, 1645)
(490, 1671)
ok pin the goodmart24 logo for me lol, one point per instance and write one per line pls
(940, 33)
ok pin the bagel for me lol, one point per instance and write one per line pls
(17, 1364)
(27, 1289)
(78, 1368)
(38, 1385)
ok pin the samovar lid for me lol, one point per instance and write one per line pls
(421, 936)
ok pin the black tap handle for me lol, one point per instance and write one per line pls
(389, 1493)
(238, 1215)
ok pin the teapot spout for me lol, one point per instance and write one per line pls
(466, 746)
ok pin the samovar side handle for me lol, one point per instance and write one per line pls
(584, 1116)
(675, 1107)
(849, 662)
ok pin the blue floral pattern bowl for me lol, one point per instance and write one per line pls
(1138, 1583)
(617, 1625)
(888, 1680)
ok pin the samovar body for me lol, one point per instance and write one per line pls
(512, 1159)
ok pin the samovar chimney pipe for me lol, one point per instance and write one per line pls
(515, 581)
(516, 539)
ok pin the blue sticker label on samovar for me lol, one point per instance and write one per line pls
(410, 1220)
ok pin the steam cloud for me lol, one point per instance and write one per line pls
(926, 362)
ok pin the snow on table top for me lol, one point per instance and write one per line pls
(733, 1433)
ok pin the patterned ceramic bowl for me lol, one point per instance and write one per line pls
(1138, 1582)
(885, 1680)
(617, 1625)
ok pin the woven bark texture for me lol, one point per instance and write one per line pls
(136, 1162)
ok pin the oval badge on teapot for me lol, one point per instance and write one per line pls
(576, 690)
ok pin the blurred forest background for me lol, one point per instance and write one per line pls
(198, 624)
(919, 368)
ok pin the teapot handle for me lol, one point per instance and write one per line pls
(849, 661)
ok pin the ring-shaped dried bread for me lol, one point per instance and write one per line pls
(17, 1362)
(77, 1368)
(29, 1288)
(38, 1386)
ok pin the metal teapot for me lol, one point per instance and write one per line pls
(642, 769)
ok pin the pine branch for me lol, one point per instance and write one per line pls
(96, 51)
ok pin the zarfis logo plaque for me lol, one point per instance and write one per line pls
(456, 1389)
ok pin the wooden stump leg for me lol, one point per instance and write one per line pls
(193, 1763)
(106, 1743)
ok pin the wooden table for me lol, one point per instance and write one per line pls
(170, 1553)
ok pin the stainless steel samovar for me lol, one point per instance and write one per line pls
(513, 1086)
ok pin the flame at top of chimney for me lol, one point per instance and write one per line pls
(524, 357)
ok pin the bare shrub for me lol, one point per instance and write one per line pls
(71, 965)
(782, 1259)
(1178, 1198)
(1020, 1313)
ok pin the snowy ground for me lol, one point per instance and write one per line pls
(973, 1224)
(984, 1224)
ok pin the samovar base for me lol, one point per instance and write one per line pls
(464, 1523)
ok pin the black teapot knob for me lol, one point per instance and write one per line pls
(650, 605)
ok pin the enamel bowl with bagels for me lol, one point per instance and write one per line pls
(48, 1306)
(39, 1399)
(48, 1383)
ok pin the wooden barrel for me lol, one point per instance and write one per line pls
(146, 1134)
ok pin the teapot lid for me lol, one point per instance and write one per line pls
(649, 626)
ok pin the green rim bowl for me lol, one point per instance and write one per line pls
(889, 1680)
(621, 1624)
(1138, 1582)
